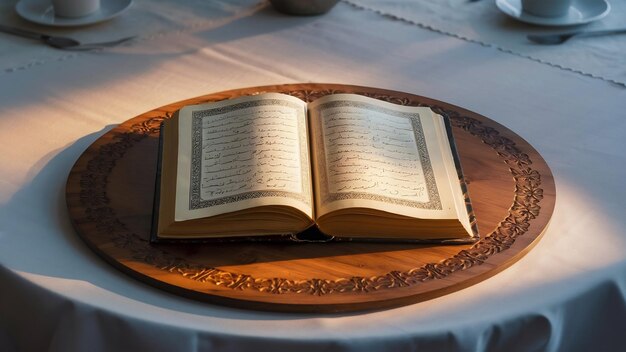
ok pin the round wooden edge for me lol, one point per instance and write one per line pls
(516, 235)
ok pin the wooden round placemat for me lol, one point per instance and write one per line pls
(110, 193)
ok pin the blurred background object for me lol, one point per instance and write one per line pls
(303, 7)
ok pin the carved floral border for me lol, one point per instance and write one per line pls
(525, 207)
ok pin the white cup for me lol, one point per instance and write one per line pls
(75, 8)
(546, 8)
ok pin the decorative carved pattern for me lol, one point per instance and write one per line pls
(525, 207)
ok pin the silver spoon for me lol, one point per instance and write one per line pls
(63, 43)
(560, 38)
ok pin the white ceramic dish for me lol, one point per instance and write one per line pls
(581, 12)
(42, 12)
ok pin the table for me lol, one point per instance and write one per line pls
(568, 293)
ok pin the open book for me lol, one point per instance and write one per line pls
(351, 166)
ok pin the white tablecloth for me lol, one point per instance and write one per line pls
(568, 293)
(481, 22)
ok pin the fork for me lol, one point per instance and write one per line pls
(63, 43)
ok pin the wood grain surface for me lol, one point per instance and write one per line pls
(110, 192)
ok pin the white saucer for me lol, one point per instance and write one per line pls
(42, 12)
(581, 12)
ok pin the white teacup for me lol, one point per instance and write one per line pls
(75, 8)
(546, 8)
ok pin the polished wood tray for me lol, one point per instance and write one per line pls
(110, 193)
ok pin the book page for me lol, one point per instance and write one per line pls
(458, 192)
(243, 153)
(373, 154)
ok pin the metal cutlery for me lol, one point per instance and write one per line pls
(63, 43)
(559, 38)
